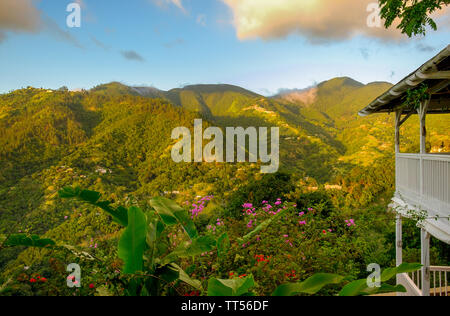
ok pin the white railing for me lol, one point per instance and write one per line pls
(438, 280)
(424, 181)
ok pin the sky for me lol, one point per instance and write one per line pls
(261, 45)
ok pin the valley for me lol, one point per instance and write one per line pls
(116, 140)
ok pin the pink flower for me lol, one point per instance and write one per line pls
(350, 222)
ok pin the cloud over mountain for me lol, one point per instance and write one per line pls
(317, 20)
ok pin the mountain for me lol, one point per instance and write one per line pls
(116, 140)
(215, 100)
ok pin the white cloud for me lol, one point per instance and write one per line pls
(19, 15)
(165, 3)
(23, 16)
(318, 20)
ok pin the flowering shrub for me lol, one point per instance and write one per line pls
(161, 251)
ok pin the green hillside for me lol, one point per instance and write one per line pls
(116, 140)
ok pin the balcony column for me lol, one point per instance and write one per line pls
(423, 141)
(423, 128)
(398, 244)
(425, 254)
(399, 240)
(398, 116)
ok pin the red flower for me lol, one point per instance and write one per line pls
(91, 286)
(33, 280)
(43, 279)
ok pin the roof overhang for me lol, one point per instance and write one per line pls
(435, 74)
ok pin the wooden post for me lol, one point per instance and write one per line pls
(399, 240)
(425, 254)
(423, 142)
(423, 128)
(398, 244)
(398, 116)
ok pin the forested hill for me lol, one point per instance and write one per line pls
(116, 140)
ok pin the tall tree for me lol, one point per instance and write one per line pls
(414, 14)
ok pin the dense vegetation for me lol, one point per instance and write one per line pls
(415, 16)
(336, 168)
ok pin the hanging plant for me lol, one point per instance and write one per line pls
(415, 97)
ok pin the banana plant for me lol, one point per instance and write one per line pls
(356, 288)
(143, 244)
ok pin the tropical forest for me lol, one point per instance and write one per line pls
(93, 204)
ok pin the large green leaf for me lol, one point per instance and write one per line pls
(132, 242)
(385, 288)
(223, 245)
(195, 248)
(172, 214)
(311, 286)
(354, 288)
(29, 241)
(154, 232)
(389, 273)
(232, 287)
(184, 277)
(360, 287)
(118, 214)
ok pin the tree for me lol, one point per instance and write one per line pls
(414, 14)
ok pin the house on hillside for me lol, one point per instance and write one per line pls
(422, 179)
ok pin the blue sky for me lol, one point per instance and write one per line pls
(171, 43)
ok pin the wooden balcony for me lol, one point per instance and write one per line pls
(423, 190)
(423, 186)
(424, 181)
(438, 281)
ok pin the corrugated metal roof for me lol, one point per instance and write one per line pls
(435, 73)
